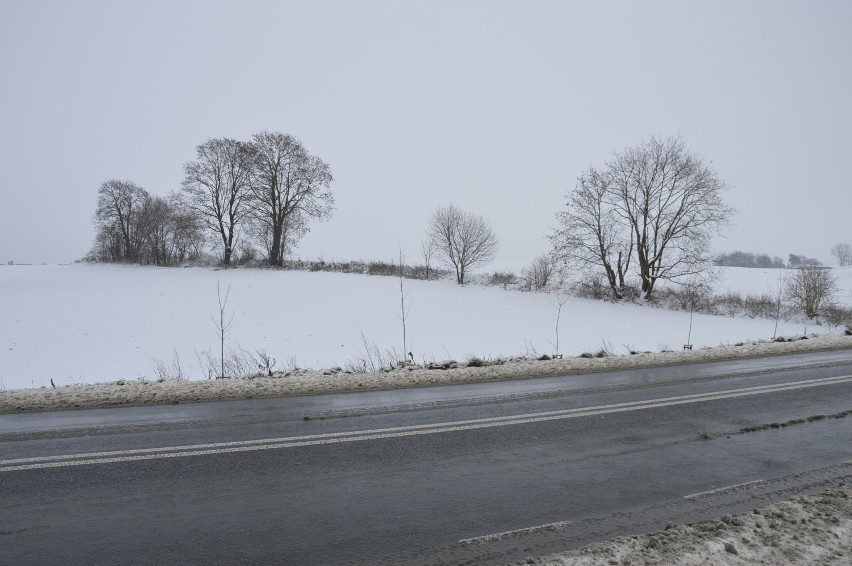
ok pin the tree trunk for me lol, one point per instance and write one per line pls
(276, 253)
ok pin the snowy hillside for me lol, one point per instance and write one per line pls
(92, 323)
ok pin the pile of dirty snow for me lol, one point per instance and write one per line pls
(805, 530)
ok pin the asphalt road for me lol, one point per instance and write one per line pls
(484, 474)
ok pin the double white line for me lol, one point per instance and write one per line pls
(60, 461)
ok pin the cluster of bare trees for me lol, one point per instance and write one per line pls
(134, 226)
(651, 210)
(270, 187)
(265, 191)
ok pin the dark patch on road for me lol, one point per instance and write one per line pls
(20, 531)
(810, 419)
(776, 426)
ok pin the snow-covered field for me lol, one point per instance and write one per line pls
(94, 323)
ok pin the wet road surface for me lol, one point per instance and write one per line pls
(488, 473)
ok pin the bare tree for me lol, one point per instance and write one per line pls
(811, 288)
(170, 232)
(404, 306)
(290, 186)
(216, 188)
(427, 249)
(672, 202)
(109, 244)
(657, 200)
(116, 219)
(842, 252)
(223, 325)
(782, 283)
(462, 239)
(592, 233)
(559, 299)
(154, 225)
(539, 273)
(692, 294)
(185, 231)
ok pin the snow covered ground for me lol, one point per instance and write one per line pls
(80, 324)
(86, 325)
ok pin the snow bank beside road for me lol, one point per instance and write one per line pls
(805, 530)
(141, 392)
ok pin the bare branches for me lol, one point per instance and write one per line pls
(592, 233)
(656, 203)
(404, 306)
(461, 239)
(289, 186)
(560, 298)
(269, 188)
(119, 205)
(539, 273)
(427, 250)
(842, 252)
(134, 226)
(216, 187)
(223, 325)
(811, 288)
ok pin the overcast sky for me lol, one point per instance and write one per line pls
(494, 106)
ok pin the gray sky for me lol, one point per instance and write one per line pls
(494, 106)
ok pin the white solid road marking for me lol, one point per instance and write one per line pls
(723, 489)
(558, 526)
(395, 432)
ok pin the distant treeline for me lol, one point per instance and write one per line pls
(745, 259)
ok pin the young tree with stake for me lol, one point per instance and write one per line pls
(223, 325)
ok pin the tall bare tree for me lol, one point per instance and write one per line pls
(592, 232)
(664, 199)
(116, 219)
(217, 188)
(462, 239)
(672, 202)
(842, 252)
(289, 187)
